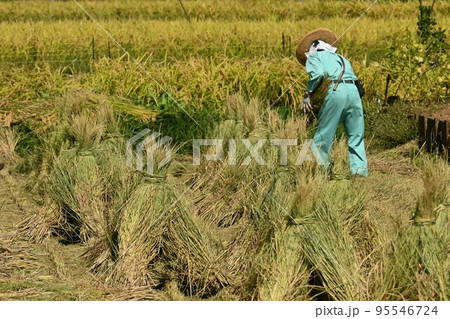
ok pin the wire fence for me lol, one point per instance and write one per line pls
(72, 54)
(154, 54)
(157, 54)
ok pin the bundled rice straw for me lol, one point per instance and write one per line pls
(76, 187)
(328, 243)
(142, 224)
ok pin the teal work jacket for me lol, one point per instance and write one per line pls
(326, 63)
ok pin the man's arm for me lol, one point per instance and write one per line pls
(315, 70)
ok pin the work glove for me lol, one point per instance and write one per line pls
(306, 104)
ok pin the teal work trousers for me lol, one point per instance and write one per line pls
(342, 106)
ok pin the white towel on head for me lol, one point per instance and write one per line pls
(320, 46)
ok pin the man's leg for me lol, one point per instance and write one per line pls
(327, 122)
(354, 125)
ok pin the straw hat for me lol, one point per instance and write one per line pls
(323, 34)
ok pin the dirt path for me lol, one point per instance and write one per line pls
(442, 114)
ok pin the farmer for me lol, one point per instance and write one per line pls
(317, 51)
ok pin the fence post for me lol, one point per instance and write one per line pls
(443, 138)
(290, 48)
(93, 48)
(422, 131)
(431, 134)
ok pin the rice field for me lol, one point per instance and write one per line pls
(76, 223)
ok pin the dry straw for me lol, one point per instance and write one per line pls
(264, 232)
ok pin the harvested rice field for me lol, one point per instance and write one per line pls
(85, 216)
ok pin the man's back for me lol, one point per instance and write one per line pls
(325, 63)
